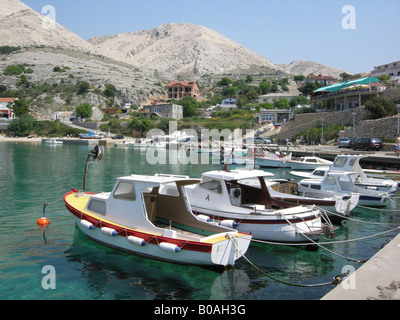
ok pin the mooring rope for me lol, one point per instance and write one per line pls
(336, 280)
(356, 220)
(319, 245)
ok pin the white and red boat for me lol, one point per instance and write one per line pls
(240, 199)
(149, 216)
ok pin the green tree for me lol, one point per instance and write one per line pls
(110, 91)
(309, 88)
(282, 103)
(265, 87)
(20, 107)
(380, 107)
(299, 78)
(224, 82)
(14, 70)
(249, 79)
(230, 92)
(83, 87)
(84, 110)
(299, 100)
(189, 105)
(22, 126)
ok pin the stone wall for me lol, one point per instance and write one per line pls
(380, 128)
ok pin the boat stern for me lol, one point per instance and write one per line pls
(228, 247)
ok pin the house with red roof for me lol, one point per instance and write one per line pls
(6, 108)
(180, 89)
(322, 80)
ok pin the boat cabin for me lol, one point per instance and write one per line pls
(150, 204)
(239, 188)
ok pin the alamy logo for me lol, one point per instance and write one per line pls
(349, 20)
(49, 280)
(49, 20)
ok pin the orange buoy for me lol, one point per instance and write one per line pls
(43, 221)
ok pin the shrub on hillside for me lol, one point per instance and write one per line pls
(380, 108)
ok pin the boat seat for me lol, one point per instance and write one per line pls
(254, 206)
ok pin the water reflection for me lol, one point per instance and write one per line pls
(112, 274)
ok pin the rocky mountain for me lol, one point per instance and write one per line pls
(181, 48)
(49, 90)
(138, 64)
(24, 27)
(301, 67)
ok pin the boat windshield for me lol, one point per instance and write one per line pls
(340, 162)
(125, 191)
(253, 182)
(212, 185)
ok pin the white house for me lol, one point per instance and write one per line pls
(272, 97)
(6, 108)
(228, 104)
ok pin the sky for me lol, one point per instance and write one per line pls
(354, 38)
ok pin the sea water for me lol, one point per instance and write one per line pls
(59, 262)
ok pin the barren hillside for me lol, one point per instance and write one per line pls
(24, 27)
(301, 67)
(182, 48)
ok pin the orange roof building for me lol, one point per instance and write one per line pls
(6, 107)
(181, 89)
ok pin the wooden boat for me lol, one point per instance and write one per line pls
(149, 216)
(239, 199)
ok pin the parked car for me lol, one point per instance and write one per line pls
(118, 136)
(368, 143)
(256, 140)
(346, 142)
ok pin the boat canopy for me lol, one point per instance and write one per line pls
(345, 84)
(236, 174)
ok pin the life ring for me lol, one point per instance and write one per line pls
(289, 144)
(236, 193)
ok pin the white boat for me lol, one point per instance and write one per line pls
(123, 144)
(236, 156)
(139, 143)
(237, 198)
(53, 141)
(150, 216)
(308, 163)
(351, 163)
(317, 173)
(284, 192)
(341, 182)
(273, 160)
(383, 174)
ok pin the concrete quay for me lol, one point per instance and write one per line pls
(376, 279)
(373, 159)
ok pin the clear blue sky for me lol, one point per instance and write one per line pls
(281, 31)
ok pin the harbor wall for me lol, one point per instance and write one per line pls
(376, 279)
(384, 128)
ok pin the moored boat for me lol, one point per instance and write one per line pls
(238, 198)
(342, 182)
(338, 206)
(149, 216)
(308, 163)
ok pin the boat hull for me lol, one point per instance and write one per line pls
(219, 250)
(273, 228)
(272, 163)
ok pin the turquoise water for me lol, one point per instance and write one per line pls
(33, 173)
